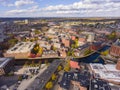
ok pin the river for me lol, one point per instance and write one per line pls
(93, 58)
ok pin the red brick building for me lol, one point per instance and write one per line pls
(66, 42)
(118, 65)
(115, 50)
(95, 46)
(73, 37)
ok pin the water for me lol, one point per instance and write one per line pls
(93, 58)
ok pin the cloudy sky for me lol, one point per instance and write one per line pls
(59, 8)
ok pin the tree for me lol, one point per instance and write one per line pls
(20, 78)
(12, 42)
(67, 68)
(76, 43)
(40, 50)
(112, 35)
(53, 48)
(59, 68)
(36, 38)
(49, 85)
(73, 45)
(70, 53)
(37, 32)
(53, 77)
(88, 51)
(26, 63)
(33, 64)
(105, 53)
(46, 62)
(35, 50)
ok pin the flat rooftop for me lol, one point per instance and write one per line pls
(21, 47)
(98, 84)
(4, 61)
(81, 77)
(107, 72)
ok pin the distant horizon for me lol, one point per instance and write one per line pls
(60, 17)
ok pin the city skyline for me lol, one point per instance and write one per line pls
(59, 8)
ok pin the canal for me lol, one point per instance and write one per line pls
(93, 58)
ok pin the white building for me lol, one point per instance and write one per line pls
(20, 50)
(106, 72)
(26, 21)
(90, 36)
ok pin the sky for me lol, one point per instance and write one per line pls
(59, 8)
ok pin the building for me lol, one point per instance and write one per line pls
(73, 37)
(57, 45)
(90, 36)
(115, 49)
(63, 53)
(98, 84)
(75, 81)
(81, 41)
(26, 21)
(66, 42)
(96, 46)
(118, 65)
(49, 54)
(20, 51)
(106, 72)
(74, 65)
(6, 65)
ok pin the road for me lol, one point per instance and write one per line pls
(26, 83)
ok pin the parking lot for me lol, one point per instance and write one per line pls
(22, 77)
(25, 83)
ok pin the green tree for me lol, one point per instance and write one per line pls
(112, 35)
(73, 45)
(12, 42)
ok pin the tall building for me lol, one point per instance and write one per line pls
(26, 21)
